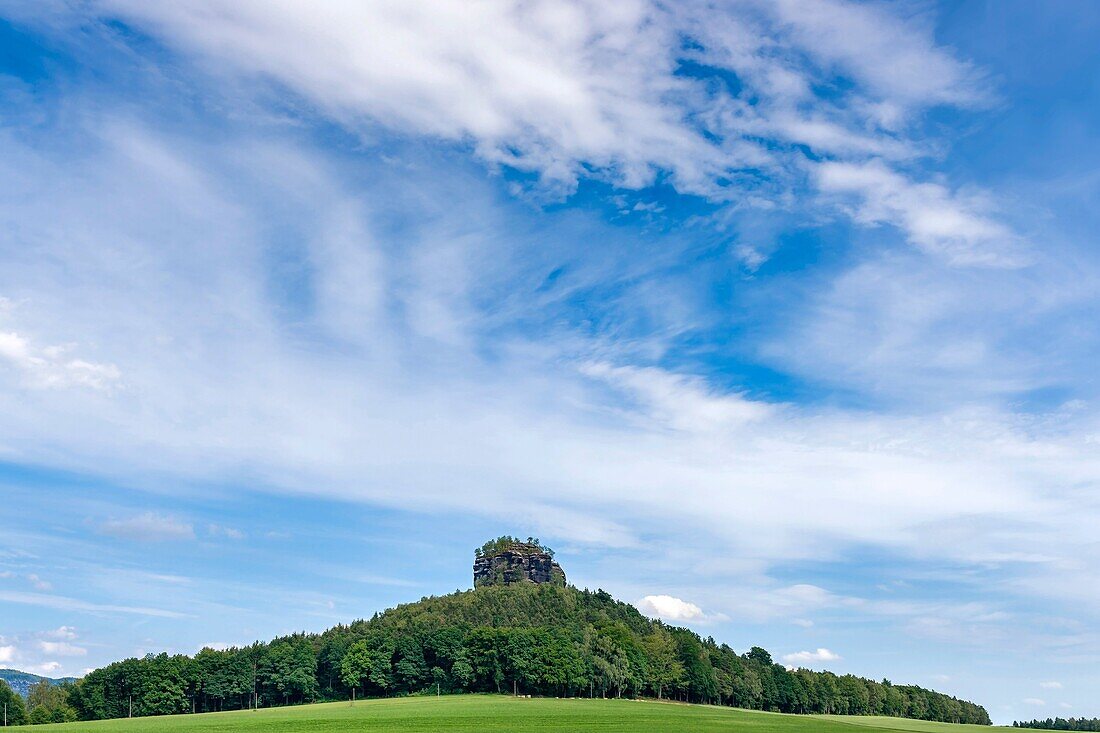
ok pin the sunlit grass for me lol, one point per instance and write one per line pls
(460, 713)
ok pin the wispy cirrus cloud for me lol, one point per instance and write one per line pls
(74, 604)
(807, 482)
(572, 90)
(148, 526)
(680, 401)
(52, 367)
(219, 530)
(936, 219)
(38, 583)
(61, 632)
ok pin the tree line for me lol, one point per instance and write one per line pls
(522, 639)
(45, 703)
(1060, 724)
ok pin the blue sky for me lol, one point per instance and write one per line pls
(777, 319)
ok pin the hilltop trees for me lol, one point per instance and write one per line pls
(537, 639)
(506, 542)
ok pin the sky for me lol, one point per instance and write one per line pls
(777, 319)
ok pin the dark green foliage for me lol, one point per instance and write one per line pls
(49, 703)
(13, 703)
(288, 668)
(1092, 724)
(532, 639)
(507, 542)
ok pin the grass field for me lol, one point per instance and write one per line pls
(474, 713)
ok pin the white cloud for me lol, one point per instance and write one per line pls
(895, 57)
(61, 632)
(51, 367)
(750, 257)
(670, 608)
(217, 530)
(935, 219)
(804, 657)
(584, 88)
(541, 86)
(45, 668)
(766, 602)
(678, 401)
(149, 526)
(1034, 701)
(906, 328)
(7, 654)
(1053, 685)
(38, 583)
(61, 649)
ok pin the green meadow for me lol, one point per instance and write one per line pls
(476, 713)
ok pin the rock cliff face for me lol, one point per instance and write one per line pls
(519, 563)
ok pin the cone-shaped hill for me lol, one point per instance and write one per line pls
(513, 606)
(521, 630)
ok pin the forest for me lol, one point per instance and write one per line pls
(528, 639)
(1092, 724)
(46, 703)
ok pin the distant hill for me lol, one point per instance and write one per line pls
(22, 682)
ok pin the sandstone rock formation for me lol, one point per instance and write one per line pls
(519, 562)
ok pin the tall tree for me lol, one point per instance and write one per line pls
(663, 668)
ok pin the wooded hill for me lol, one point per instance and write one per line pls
(22, 682)
(525, 638)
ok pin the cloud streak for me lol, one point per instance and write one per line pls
(936, 219)
(51, 367)
(148, 527)
(73, 604)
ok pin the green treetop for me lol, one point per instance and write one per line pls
(507, 542)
